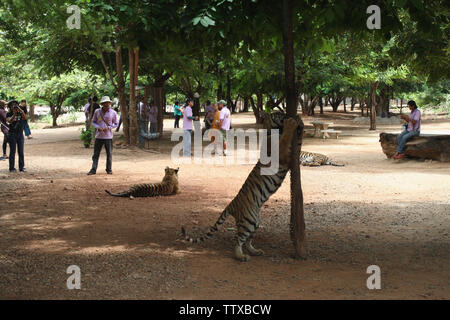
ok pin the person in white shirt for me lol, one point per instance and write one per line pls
(225, 123)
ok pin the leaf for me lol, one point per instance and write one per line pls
(209, 21)
(204, 22)
(108, 7)
(196, 20)
(258, 77)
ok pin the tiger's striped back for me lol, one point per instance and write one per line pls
(168, 186)
(312, 159)
(151, 190)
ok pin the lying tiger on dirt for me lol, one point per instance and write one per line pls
(245, 207)
(312, 159)
(168, 186)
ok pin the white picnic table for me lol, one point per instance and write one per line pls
(320, 129)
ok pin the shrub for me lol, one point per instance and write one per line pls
(86, 136)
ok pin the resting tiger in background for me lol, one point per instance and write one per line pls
(312, 159)
(245, 207)
(168, 186)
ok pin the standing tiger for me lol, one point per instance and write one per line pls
(168, 186)
(245, 207)
(312, 159)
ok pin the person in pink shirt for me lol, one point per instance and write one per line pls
(411, 130)
(104, 120)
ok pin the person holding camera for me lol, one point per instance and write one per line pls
(25, 125)
(4, 128)
(104, 120)
(15, 135)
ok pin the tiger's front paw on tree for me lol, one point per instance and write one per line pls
(290, 125)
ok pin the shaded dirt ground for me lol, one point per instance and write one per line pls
(373, 211)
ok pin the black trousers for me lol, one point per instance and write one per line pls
(98, 145)
(16, 141)
(177, 122)
(5, 143)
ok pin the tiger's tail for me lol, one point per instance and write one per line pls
(125, 194)
(337, 164)
(210, 232)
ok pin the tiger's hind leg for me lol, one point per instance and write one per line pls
(245, 233)
(310, 163)
(251, 249)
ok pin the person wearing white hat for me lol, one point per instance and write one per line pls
(104, 120)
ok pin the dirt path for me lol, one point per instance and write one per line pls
(373, 211)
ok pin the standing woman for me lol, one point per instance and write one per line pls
(177, 114)
(26, 127)
(15, 135)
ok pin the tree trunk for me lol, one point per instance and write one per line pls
(308, 104)
(55, 114)
(335, 101)
(297, 224)
(387, 106)
(158, 99)
(147, 94)
(219, 92)
(345, 104)
(321, 105)
(32, 113)
(383, 106)
(246, 104)
(361, 105)
(258, 108)
(120, 88)
(352, 104)
(373, 113)
(436, 147)
(133, 54)
(228, 95)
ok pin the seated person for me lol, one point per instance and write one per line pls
(412, 129)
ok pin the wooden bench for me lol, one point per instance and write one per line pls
(326, 133)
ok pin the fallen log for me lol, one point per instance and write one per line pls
(435, 147)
